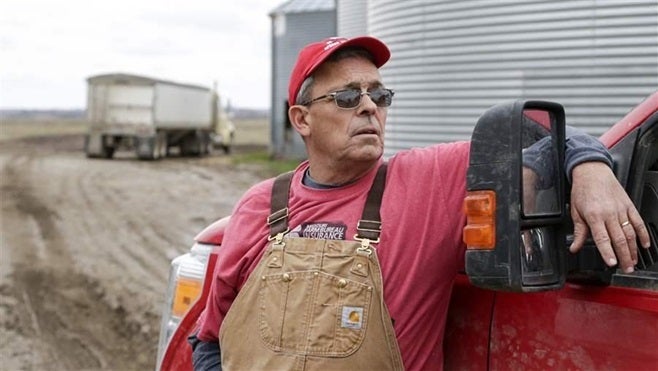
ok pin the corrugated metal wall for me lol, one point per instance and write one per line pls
(352, 17)
(289, 35)
(451, 60)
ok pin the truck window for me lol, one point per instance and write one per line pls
(642, 186)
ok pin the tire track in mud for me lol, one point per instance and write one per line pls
(28, 274)
(61, 310)
(131, 219)
(119, 242)
(86, 249)
(34, 283)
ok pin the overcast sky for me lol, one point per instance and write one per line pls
(48, 48)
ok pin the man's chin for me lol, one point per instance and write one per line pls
(368, 153)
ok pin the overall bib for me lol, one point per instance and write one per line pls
(313, 304)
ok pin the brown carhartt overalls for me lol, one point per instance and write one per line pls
(313, 304)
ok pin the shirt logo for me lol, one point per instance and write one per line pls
(320, 231)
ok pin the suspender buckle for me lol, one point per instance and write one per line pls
(371, 226)
(366, 247)
(277, 216)
(278, 238)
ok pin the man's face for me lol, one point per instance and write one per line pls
(345, 135)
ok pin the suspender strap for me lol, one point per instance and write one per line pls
(278, 219)
(370, 225)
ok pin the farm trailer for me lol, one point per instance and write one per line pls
(150, 116)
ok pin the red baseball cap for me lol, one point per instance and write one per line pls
(312, 55)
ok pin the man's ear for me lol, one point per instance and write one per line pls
(297, 115)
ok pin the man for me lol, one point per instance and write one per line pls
(329, 289)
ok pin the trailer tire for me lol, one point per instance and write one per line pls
(204, 143)
(227, 147)
(162, 147)
(187, 145)
(86, 147)
(108, 152)
(195, 144)
(102, 150)
(146, 148)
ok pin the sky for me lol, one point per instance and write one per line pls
(48, 47)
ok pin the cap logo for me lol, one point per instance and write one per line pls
(333, 42)
(313, 55)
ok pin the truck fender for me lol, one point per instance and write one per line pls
(178, 356)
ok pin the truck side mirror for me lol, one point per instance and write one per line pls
(515, 204)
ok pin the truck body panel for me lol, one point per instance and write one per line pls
(120, 109)
(181, 107)
(580, 327)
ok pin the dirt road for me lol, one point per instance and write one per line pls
(85, 249)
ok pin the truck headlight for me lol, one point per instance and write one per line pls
(184, 287)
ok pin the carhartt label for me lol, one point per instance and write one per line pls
(352, 317)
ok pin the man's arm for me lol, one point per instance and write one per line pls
(580, 147)
(205, 355)
(600, 206)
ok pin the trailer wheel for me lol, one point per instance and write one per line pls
(194, 144)
(86, 147)
(158, 148)
(162, 149)
(107, 152)
(187, 145)
(146, 148)
(204, 143)
(156, 151)
(96, 147)
(227, 147)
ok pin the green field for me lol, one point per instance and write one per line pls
(17, 129)
(252, 131)
(247, 131)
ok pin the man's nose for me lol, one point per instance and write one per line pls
(366, 106)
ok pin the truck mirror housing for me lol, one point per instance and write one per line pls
(515, 204)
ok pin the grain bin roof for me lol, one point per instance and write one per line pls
(304, 6)
(129, 79)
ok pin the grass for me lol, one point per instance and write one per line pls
(252, 131)
(257, 132)
(262, 158)
(18, 129)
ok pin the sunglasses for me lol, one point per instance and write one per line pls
(351, 98)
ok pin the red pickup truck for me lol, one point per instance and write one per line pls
(522, 302)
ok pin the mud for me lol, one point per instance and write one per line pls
(86, 245)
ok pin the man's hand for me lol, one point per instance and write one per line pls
(599, 204)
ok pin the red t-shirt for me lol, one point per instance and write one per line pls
(420, 251)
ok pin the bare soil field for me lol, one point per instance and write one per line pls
(85, 244)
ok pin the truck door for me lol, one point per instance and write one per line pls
(602, 318)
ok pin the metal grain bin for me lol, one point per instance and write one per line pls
(453, 59)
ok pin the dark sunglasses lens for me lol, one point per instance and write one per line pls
(348, 98)
(381, 97)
